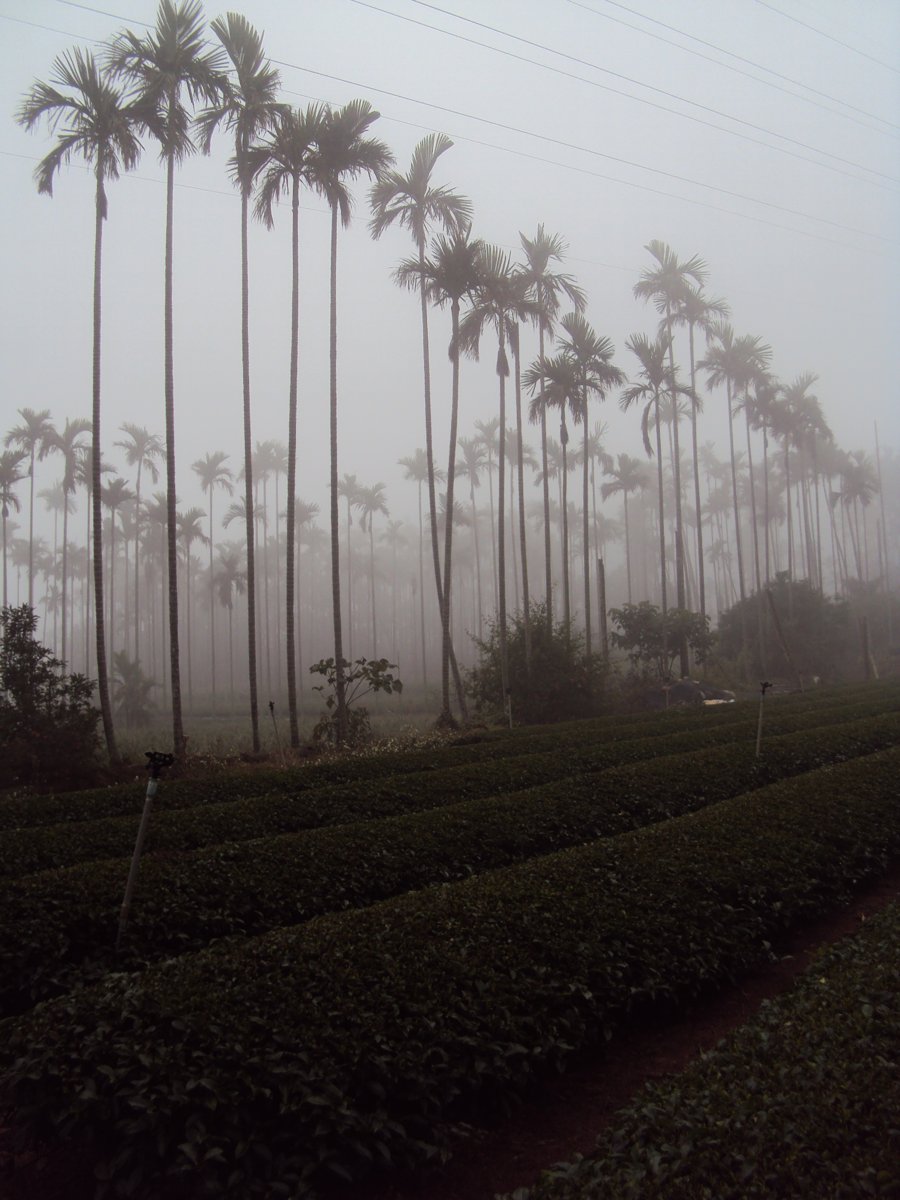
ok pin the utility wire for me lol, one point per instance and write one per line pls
(596, 153)
(738, 58)
(822, 33)
(628, 79)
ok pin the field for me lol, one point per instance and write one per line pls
(333, 971)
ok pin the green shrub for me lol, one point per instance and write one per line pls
(801, 1101)
(264, 1065)
(57, 927)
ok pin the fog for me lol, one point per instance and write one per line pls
(763, 138)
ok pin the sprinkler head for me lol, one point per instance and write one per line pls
(158, 761)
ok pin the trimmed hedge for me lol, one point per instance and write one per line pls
(21, 812)
(263, 1065)
(27, 851)
(804, 1100)
(57, 927)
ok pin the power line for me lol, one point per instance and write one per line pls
(738, 58)
(580, 149)
(628, 79)
(822, 33)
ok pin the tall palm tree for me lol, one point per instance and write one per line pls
(415, 203)
(698, 312)
(282, 162)
(447, 277)
(547, 288)
(172, 69)
(655, 378)
(142, 449)
(10, 474)
(68, 443)
(247, 110)
(343, 153)
(592, 355)
(98, 122)
(33, 437)
(212, 473)
(556, 383)
(627, 476)
(500, 301)
(372, 500)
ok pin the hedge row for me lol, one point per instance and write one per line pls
(58, 927)
(19, 812)
(263, 1065)
(802, 1101)
(26, 851)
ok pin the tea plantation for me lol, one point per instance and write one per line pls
(329, 968)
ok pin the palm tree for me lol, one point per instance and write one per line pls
(115, 494)
(654, 379)
(98, 123)
(415, 203)
(371, 501)
(283, 163)
(489, 439)
(212, 473)
(343, 152)
(547, 288)
(33, 437)
(500, 301)
(447, 277)
(247, 110)
(698, 311)
(190, 530)
(10, 462)
(168, 63)
(142, 448)
(556, 383)
(230, 579)
(592, 355)
(471, 465)
(416, 468)
(67, 443)
(628, 475)
(349, 490)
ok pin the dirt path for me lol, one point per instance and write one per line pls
(570, 1112)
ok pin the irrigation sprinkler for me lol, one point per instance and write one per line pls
(277, 734)
(763, 688)
(157, 761)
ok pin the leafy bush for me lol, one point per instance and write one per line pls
(562, 685)
(801, 1101)
(361, 678)
(652, 643)
(56, 927)
(263, 1066)
(48, 726)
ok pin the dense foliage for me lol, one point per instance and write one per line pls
(48, 726)
(652, 641)
(560, 684)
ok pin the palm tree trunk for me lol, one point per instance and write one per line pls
(248, 474)
(627, 545)
(340, 685)
(520, 467)
(65, 550)
(172, 543)
(585, 533)
(662, 531)
(292, 468)
(102, 676)
(701, 575)
(446, 715)
(679, 523)
(545, 487)
(212, 606)
(564, 502)
(501, 527)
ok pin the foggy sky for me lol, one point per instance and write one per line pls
(819, 282)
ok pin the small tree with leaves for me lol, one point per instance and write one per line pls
(360, 678)
(48, 725)
(652, 638)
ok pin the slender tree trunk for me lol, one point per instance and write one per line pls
(502, 371)
(292, 467)
(340, 683)
(662, 532)
(102, 675)
(627, 545)
(701, 573)
(520, 477)
(684, 665)
(65, 555)
(585, 532)
(446, 715)
(422, 591)
(178, 738)
(545, 489)
(564, 502)
(248, 474)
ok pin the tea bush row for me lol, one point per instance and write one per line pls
(58, 927)
(485, 745)
(358, 1040)
(26, 851)
(804, 1100)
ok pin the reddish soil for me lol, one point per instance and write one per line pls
(565, 1119)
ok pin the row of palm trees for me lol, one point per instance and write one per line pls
(177, 87)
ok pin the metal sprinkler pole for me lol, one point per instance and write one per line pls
(156, 763)
(763, 688)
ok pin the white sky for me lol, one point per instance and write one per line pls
(800, 232)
